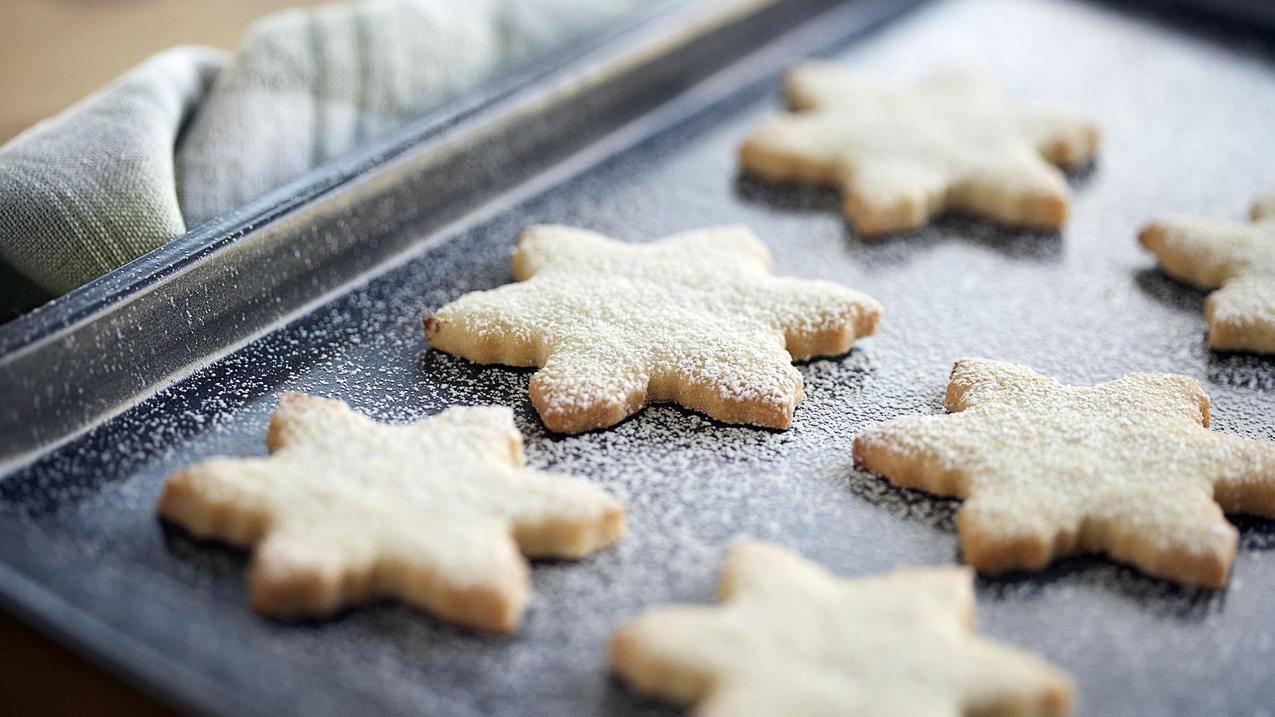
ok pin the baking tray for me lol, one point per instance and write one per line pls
(1186, 117)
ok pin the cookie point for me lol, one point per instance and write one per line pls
(1263, 207)
(607, 529)
(1215, 578)
(1224, 335)
(619, 645)
(1052, 210)
(1215, 566)
(294, 397)
(1058, 697)
(290, 594)
(1151, 235)
(175, 497)
(990, 550)
(780, 418)
(625, 656)
(857, 449)
(558, 421)
(870, 319)
(484, 611)
(614, 524)
(964, 364)
(867, 225)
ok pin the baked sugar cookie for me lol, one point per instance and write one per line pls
(791, 639)
(905, 154)
(1127, 467)
(433, 513)
(1236, 259)
(696, 319)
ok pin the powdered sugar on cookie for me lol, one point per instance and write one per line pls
(1236, 259)
(434, 513)
(1126, 467)
(791, 639)
(903, 155)
(695, 318)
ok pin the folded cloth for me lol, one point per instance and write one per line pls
(92, 188)
(308, 85)
(100, 184)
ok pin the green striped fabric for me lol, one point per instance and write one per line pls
(187, 136)
(92, 188)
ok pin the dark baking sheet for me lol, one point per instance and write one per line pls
(1187, 123)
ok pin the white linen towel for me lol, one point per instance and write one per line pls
(187, 136)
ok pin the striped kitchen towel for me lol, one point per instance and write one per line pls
(189, 134)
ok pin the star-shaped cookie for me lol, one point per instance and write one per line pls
(1127, 467)
(905, 154)
(695, 319)
(791, 639)
(433, 513)
(1236, 259)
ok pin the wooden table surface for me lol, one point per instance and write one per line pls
(40, 677)
(54, 52)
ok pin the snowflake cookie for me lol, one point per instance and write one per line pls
(791, 639)
(436, 513)
(1127, 467)
(903, 155)
(1236, 259)
(696, 319)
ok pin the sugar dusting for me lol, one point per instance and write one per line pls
(614, 325)
(893, 644)
(1238, 259)
(1085, 307)
(904, 154)
(1127, 467)
(364, 509)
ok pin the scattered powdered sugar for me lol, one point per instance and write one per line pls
(422, 512)
(902, 155)
(1238, 260)
(614, 325)
(1127, 467)
(893, 644)
(1084, 307)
